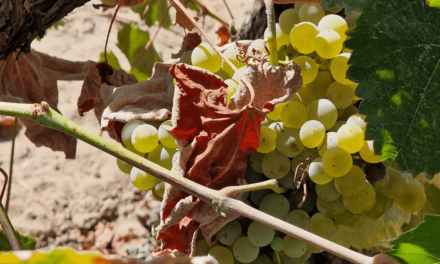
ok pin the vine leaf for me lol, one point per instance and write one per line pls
(111, 59)
(152, 11)
(349, 5)
(190, 42)
(433, 3)
(397, 65)
(33, 79)
(182, 19)
(419, 245)
(224, 34)
(215, 142)
(27, 242)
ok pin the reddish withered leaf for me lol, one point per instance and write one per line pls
(181, 18)
(190, 42)
(224, 34)
(214, 142)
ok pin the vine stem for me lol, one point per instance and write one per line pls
(207, 12)
(11, 164)
(45, 116)
(271, 39)
(243, 79)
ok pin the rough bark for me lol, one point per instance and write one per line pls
(21, 21)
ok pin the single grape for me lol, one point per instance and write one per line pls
(358, 120)
(294, 115)
(305, 257)
(127, 131)
(244, 250)
(339, 67)
(287, 181)
(302, 37)
(351, 19)
(312, 133)
(367, 152)
(267, 140)
(277, 127)
(337, 162)
(322, 226)
(186, 57)
(324, 111)
(289, 143)
(232, 88)
(141, 179)
(288, 19)
(379, 207)
(413, 198)
(276, 113)
(304, 96)
(327, 192)
(334, 22)
(159, 187)
(252, 176)
(255, 160)
(317, 173)
(350, 137)
(328, 44)
(229, 233)
(349, 111)
(203, 248)
(309, 68)
(361, 202)
(329, 142)
(124, 166)
(281, 36)
(276, 205)
(294, 247)
(320, 84)
(304, 158)
(311, 13)
(231, 55)
(347, 219)
(162, 156)
(166, 139)
(340, 112)
(261, 259)
(336, 127)
(351, 183)
(257, 196)
(257, 44)
(145, 138)
(396, 186)
(299, 218)
(223, 74)
(331, 209)
(222, 254)
(260, 235)
(275, 165)
(205, 57)
(277, 244)
(340, 95)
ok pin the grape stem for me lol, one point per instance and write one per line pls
(270, 184)
(271, 39)
(45, 116)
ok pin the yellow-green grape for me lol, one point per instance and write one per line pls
(304, 158)
(276, 113)
(223, 74)
(255, 160)
(345, 50)
(317, 173)
(259, 234)
(277, 127)
(361, 202)
(350, 137)
(244, 250)
(281, 36)
(311, 13)
(302, 37)
(349, 111)
(202, 247)
(257, 44)
(396, 186)
(299, 218)
(380, 184)
(309, 69)
(324, 111)
(336, 126)
(334, 22)
(320, 84)
(347, 219)
(379, 207)
(327, 192)
(231, 55)
(289, 143)
(341, 95)
(351, 19)
(351, 183)
(341, 112)
(232, 88)
(145, 138)
(275, 165)
(322, 226)
(294, 115)
(141, 179)
(354, 86)
(229, 233)
(162, 156)
(360, 222)
(124, 166)
(288, 19)
(328, 44)
(312, 133)
(358, 120)
(333, 10)
(329, 142)
(413, 198)
(205, 57)
(303, 96)
(339, 68)
(127, 131)
(186, 57)
(267, 140)
(158, 190)
(266, 122)
(304, 257)
(276, 205)
(222, 254)
(235, 76)
(367, 152)
(294, 247)
(337, 162)
(166, 139)
(331, 209)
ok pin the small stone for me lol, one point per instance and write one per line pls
(86, 221)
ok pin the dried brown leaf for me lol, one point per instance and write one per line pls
(181, 18)
(224, 34)
(190, 42)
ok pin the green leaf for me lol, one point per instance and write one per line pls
(132, 41)
(419, 245)
(396, 61)
(28, 243)
(157, 9)
(350, 5)
(111, 59)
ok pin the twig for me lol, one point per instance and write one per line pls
(206, 11)
(229, 10)
(8, 229)
(269, 184)
(11, 164)
(271, 39)
(110, 29)
(151, 39)
(4, 184)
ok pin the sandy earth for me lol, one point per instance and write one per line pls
(88, 203)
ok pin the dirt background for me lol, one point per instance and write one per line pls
(87, 203)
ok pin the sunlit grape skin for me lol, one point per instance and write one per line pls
(328, 44)
(302, 37)
(324, 111)
(337, 162)
(317, 173)
(205, 57)
(312, 133)
(351, 183)
(350, 137)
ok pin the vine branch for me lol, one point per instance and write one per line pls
(271, 39)
(11, 164)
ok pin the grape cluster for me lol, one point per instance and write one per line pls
(314, 145)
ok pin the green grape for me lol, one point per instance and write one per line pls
(299, 218)
(327, 192)
(349, 111)
(257, 44)
(162, 156)
(331, 209)
(324, 111)
(309, 68)
(380, 184)
(159, 187)
(413, 198)
(328, 44)
(350, 137)
(257, 196)
(223, 74)
(341, 95)
(347, 219)
(186, 57)
(288, 260)
(255, 160)
(252, 176)
(302, 37)
(339, 68)
(229, 233)
(232, 88)
(288, 142)
(276, 205)
(351, 183)
(154, 123)
(336, 126)
(328, 143)
(337, 162)
(320, 84)
(317, 173)
(311, 13)
(166, 139)
(202, 247)
(205, 57)
(124, 166)
(360, 222)
(334, 22)
(145, 138)
(358, 120)
(396, 186)
(222, 254)
(294, 115)
(312, 133)
(361, 202)
(305, 257)
(141, 179)
(267, 140)
(309, 203)
(277, 127)
(379, 207)
(127, 131)
(287, 181)
(288, 19)
(275, 165)
(304, 96)
(277, 244)
(260, 235)
(175, 158)
(244, 250)
(281, 37)
(334, 10)
(153, 228)
(294, 247)
(340, 112)
(305, 157)
(276, 113)
(367, 152)
(231, 55)
(351, 19)
(322, 226)
(261, 259)
(235, 76)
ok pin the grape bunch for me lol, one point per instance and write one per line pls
(314, 145)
